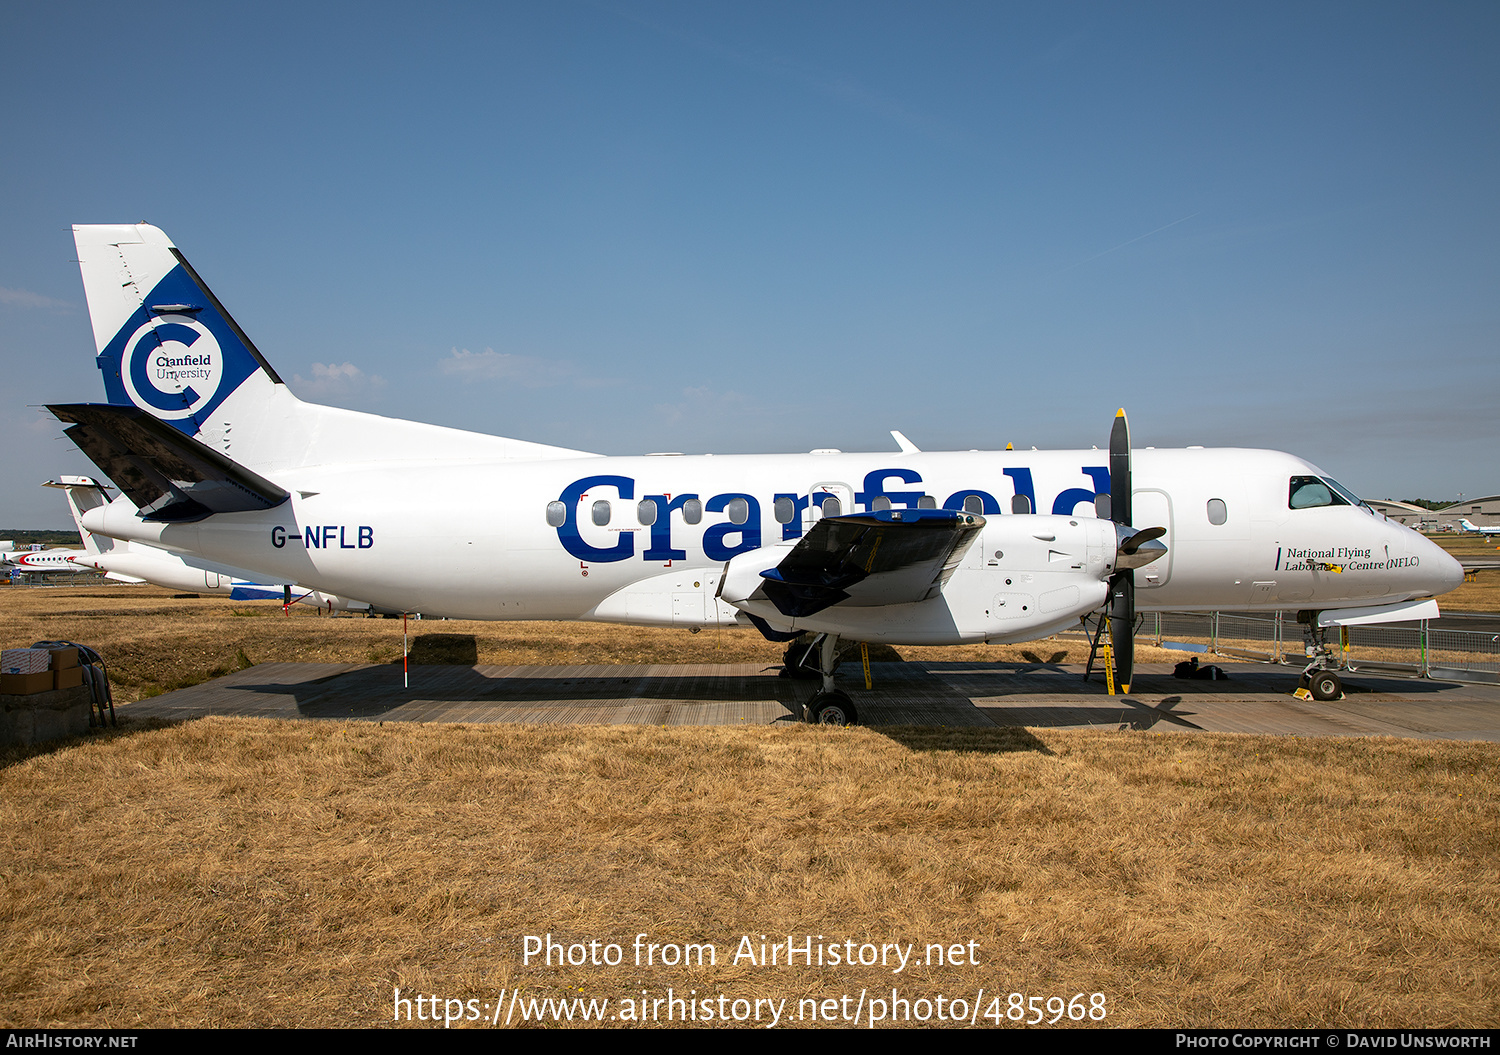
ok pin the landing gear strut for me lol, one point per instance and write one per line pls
(800, 660)
(1320, 677)
(829, 706)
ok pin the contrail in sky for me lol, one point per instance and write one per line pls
(1122, 245)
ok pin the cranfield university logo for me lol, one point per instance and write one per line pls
(172, 366)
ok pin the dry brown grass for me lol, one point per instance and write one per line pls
(1482, 593)
(242, 872)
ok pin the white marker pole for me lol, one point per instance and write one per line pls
(405, 667)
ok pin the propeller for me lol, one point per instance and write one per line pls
(1134, 549)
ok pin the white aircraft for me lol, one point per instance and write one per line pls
(44, 560)
(220, 461)
(1476, 529)
(138, 562)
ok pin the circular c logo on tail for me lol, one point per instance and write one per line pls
(172, 366)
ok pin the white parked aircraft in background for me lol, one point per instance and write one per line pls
(219, 461)
(137, 562)
(1476, 529)
(39, 559)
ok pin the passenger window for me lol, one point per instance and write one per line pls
(601, 512)
(557, 513)
(881, 503)
(831, 506)
(973, 504)
(786, 509)
(1218, 513)
(1102, 506)
(646, 512)
(927, 502)
(739, 510)
(1020, 504)
(692, 511)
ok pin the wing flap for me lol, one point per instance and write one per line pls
(893, 556)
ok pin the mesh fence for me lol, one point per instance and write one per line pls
(1395, 647)
(1404, 648)
(1463, 655)
(1413, 649)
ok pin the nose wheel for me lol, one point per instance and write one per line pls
(1320, 678)
(1324, 685)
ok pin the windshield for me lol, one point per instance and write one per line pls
(1310, 492)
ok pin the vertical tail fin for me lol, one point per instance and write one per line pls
(167, 346)
(165, 343)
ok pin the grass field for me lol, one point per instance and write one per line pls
(242, 872)
(1481, 593)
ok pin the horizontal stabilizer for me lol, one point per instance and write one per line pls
(893, 556)
(166, 474)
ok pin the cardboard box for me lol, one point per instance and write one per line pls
(67, 677)
(26, 684)
(25, 660)
(63, 658)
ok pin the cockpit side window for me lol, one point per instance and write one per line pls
(1309, 492)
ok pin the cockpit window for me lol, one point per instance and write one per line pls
(1344, 492)
(1310, 492)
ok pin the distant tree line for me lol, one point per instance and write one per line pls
(24, 537)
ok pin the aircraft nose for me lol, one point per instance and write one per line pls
(1443, 569)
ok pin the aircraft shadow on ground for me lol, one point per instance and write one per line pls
(929, 695)
(373, 691)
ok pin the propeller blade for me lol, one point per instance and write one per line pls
(1122, 583)
(1119, 469)
(1122, 628)
(1140, 538)
(1136, 549)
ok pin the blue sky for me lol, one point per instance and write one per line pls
(629, 226)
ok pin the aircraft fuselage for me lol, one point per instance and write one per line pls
(570, 539)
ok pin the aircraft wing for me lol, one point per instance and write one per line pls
(168, 475)
(893, 556)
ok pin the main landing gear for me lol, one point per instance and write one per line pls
(1320, 677)
(820, 658)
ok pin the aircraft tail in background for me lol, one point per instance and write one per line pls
(83, 494)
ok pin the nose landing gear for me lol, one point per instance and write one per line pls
(1320, 679)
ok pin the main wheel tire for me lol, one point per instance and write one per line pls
(832, 708)
(800, 661)
(1325, 685)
